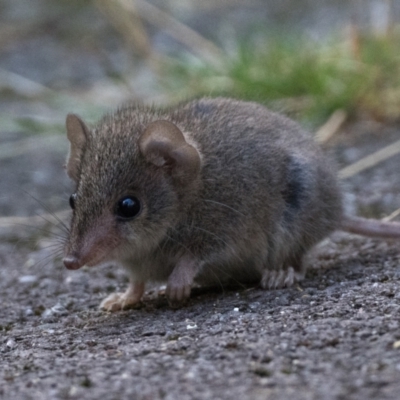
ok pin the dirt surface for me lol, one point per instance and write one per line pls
(336, 336)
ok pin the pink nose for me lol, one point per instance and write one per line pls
(72, 262)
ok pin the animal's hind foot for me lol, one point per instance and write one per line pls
(276, 279)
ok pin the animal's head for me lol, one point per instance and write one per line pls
(131, 177)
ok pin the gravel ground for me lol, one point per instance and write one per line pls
(336, 336)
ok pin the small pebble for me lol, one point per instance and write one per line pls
(396, 345)
(27, 279)
(29, 312)
(56, 311)
(29, 263)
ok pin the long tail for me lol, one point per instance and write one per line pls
(371, 227)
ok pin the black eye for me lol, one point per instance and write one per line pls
(128, 207)
(72, 199)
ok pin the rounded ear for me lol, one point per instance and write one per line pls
(164, 145)
(77, 134)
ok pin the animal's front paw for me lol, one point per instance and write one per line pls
(124, 301)
(177, 293)
(180, 281)
(117, 302)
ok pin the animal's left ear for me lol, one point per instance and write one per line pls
(163, 144)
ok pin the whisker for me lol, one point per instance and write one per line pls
(180, 244)
(214, 235)
(217, 278)
(188, 250)
(57, 245)
(45, 260)
(50, 246)
(224, 205)
(229, 276)
(61, 225)
(46, 208)
(240, 259)
(220, 283)
(40, 229)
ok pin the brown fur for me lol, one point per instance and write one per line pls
(229, 191)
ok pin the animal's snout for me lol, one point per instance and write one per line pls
(72, 262)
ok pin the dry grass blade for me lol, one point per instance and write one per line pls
(391, 216)
(34, 220)
(130, 26)
(179, 31)
(21, 85)
(331, 126)
(370, 161)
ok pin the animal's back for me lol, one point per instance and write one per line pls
(268, 192)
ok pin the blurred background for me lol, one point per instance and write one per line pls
(325, 63)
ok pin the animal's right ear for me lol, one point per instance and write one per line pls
(77, 133)
(164, 145)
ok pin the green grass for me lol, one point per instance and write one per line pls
(311, 80)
